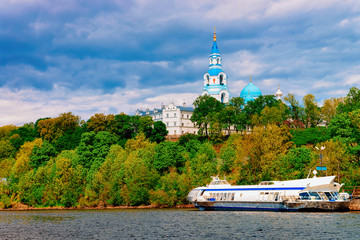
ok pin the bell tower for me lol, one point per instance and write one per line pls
(215, 79)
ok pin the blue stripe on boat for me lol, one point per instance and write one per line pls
(253, 189)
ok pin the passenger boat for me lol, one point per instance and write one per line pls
(310, 194)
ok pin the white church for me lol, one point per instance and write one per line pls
(177, 118)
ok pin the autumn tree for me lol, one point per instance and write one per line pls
(267, 143)
(6, 130)
(328, 110)
(51, 129)
(100, 122)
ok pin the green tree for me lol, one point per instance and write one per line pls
(275, 114)
(23, 134)
(202, 165)
(41, 154)
(351, 103)
(294, 164)
(239, 116)
(312, 111)
(168, 154)
(159, 132)
(94, 147)
(253, 108)
(205, 111)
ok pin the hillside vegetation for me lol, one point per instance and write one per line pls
(125, 160)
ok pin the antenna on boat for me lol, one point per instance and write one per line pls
(309, 173)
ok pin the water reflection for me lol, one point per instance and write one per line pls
(178, 224)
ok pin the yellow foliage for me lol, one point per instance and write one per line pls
(46, 128)
(22, 159)
(328, 110)
(6, 130)
(335, 158)
(5, 167)
(140, 141)
(100, 121)
(53, 128)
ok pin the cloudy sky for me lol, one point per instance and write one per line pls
(116, 56)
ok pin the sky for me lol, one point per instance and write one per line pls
(114, 56)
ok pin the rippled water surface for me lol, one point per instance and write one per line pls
(176, 224)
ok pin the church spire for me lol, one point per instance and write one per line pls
(214, 37)
(215, 79)
(214, 49)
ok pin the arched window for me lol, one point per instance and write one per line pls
(223, 96)
(218, 61)
(221, 79)
(207, 80)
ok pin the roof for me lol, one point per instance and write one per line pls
(148, 112)
(215, 48)
(215, 71)
(189, 109)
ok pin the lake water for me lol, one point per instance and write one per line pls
(176, 224)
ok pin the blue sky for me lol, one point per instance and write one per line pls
(92, 57)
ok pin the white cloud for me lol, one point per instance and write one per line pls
(243, 63)
(323, 84)
(352, 80)
(19, 107)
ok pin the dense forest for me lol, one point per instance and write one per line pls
(125, 160)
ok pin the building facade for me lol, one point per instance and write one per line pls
(176, 118)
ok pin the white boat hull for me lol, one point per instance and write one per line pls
(315, 194)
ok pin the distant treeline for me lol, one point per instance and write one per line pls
(124, 160)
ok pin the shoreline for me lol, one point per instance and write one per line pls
(22, 207)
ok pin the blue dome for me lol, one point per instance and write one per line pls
(215, 72)
(250, 91)
(248, 98)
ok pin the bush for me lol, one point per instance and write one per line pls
(5, 201)
(309, 136)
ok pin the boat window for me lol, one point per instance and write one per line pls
(193, 192)
(336, 195)
(276, 198)
(202, 192)
(323, 196)
(233, 196)
(314, 196)
(328, 195)
(304, 196)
